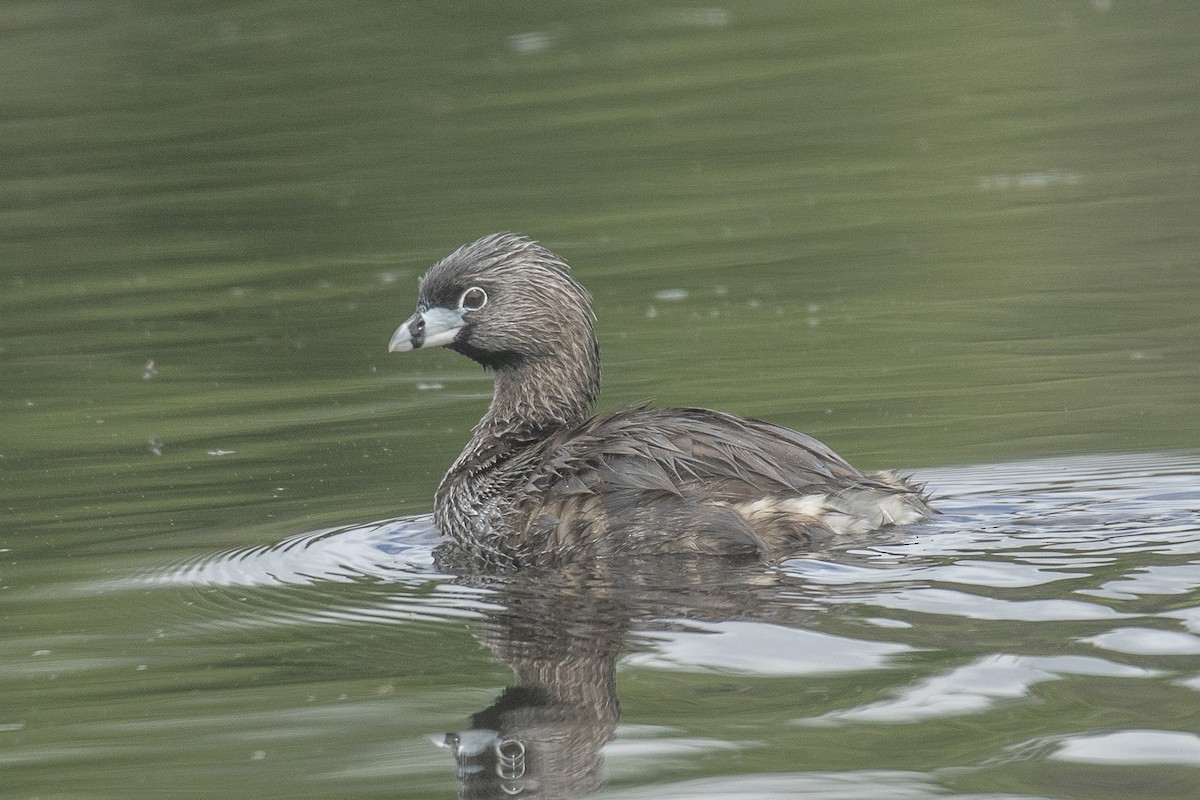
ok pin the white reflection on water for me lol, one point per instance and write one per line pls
(1179, 579)
(976, 687)
(974, 606)
(755, 648)
(1147, 641)
(399, 550)
(1132, 747)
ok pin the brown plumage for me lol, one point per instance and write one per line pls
(541, 482)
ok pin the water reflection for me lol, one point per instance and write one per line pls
(1046, 590)
(562, 633)
(543, 736)
(974, 688)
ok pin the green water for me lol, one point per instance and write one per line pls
(929, 233)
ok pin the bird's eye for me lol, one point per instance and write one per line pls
(473, 299)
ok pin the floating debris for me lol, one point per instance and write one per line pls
(156, 445)
(221, 452)
(425, 387)
(671, 295)
(149, 371)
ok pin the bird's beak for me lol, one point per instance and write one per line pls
(433, 327)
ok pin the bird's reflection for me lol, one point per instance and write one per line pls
(543, 736)
(562, 632)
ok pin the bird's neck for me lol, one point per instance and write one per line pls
(534, 399)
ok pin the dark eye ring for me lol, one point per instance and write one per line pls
(473, 299)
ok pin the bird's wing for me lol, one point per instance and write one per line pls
(632, 476)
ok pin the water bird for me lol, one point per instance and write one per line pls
(542, 481)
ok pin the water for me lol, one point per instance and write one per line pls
(1038, 639)
(943, 237)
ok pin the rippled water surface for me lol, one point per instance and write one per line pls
(1040, 638)
(952, 237)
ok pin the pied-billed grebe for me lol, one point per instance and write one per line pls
(540, 481)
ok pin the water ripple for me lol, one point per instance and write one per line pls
(396, 550)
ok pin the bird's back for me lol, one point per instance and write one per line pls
(686, 480)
